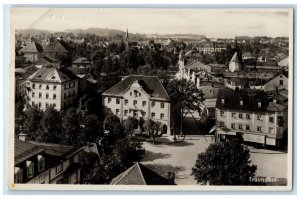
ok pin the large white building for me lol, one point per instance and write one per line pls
(251, 116)
(52, 86)
(141, 97)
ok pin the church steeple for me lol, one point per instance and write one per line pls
(127, 36)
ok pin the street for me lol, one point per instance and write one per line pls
(167, 156)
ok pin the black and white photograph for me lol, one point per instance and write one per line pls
(151, 98)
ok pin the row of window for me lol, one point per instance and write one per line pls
(29, 169)
(135, 113)
(69, 95)
(241, 116)
(247, 127)
(46, 104)
(46, 95)
(47, 87)
(135, 102)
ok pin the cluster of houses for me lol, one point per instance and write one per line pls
(255, 111)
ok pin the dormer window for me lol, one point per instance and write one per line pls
(39, 76)
(41, 163)
(18, 175)
(222, 101)
(259, 104)
(241, 102)
(30, 169)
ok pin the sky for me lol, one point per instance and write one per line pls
(214, 23)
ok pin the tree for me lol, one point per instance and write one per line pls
(33, 116)
(90, 128)
(71, 128)
(130, 124)
(50, 128)
(184, 96)
(224, 163)
(153, 129)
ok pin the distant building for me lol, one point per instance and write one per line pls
(44, 163)
(141, 97)
(45, 61)
(32, 51)
(138, 174)
(284, 62)
(250, 116)
(278, 83)
(81, 62)
(234, 64)
(52, 86)
(209, 47)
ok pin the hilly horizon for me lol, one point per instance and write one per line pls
(109, 32)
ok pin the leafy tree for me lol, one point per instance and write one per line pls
(153, 129)
(184, 96)
(19, 114)
(130, 124)
(33, 116)
(224, 163)
(90, 128)
(71, 128)
(50, 128)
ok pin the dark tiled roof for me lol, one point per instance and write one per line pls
(25, 150)
(250, 100)
(52, 74)
(55, 47)
(138, 174)
(150, 84)
(57, 150)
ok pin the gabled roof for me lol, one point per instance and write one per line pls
(25, 150)
(32, 47)
(138, 174)
(52, 74)
(197, 65)
(150, 84)
(234, 58)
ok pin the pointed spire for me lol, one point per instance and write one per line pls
(127, 36)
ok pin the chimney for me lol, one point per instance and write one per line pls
(171, 178)
(23, 137)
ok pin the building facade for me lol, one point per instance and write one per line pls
(250, 116)
(40, 163)
(140, 97)
(52, 86)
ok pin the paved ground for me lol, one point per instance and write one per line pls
(167, 156)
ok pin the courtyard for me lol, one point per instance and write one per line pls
(167, 156)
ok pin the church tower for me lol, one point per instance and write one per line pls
(234, 64)
(127, 40)
(181, 65)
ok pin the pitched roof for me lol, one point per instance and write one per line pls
(138, 174)
(81, 60)
(52, 149)
(32, 47)
(52, 74)
(25, 150)
(234, 58)
(150, 84)
(250, 100)
(197, 65)
(55, 47)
